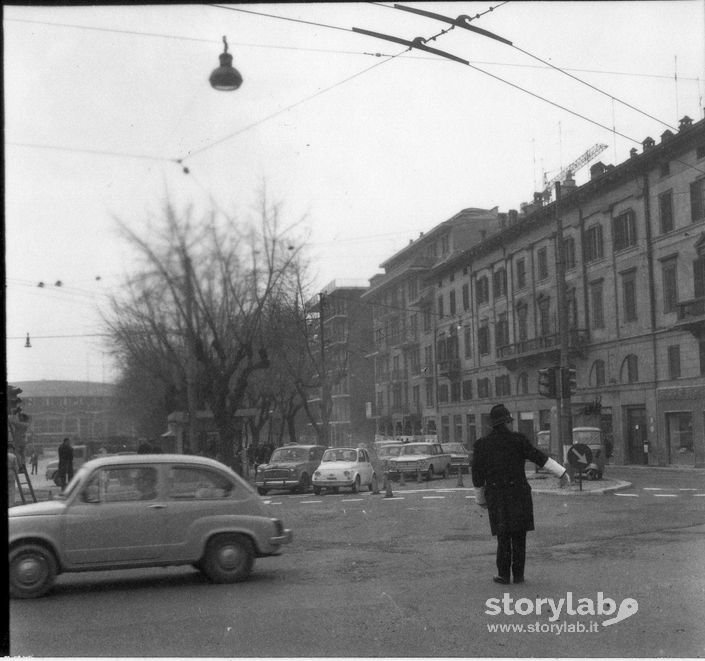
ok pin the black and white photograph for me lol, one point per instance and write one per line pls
(355, 329)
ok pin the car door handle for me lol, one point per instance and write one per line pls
(156, 506)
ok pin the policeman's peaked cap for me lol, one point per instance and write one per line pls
(499, 414)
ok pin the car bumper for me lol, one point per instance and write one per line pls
(277, 483)
(332, 483)
(285, 538)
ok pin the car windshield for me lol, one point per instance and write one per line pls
(339, 454)
(389, 451)
(455, 448)
(416, 449)
(288, 454)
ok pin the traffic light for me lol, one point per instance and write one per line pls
(569, 381)
(14, 401)
(547, 382)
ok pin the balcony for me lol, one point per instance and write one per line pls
(449, 368)
(691, 316)
(541, 349)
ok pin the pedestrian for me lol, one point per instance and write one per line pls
(65, 463)
(34, 462)
(145, 447)
(13, 466)
(501, 487)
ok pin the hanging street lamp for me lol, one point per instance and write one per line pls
(226, 77)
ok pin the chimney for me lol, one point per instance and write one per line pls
(597, 169)
(648, 143)
(633, 152)
(685, 123)
(666, 135)
(569, 182)
(538, 200)
(513, 216)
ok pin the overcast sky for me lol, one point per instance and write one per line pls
(370, 143)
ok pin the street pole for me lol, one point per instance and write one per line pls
(190, 362)
(324, 375)
(563, 403)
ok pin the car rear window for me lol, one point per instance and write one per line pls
(197, 483)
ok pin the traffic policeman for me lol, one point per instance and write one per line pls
(501, 487)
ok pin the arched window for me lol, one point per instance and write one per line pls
(597, 373)
(630, 369)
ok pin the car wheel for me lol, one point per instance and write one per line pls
(304, 483)
(429, 474)
(356, 484)
(32, 571)
(446, 473)
(317, 490)
(262, 491)
(228, 558)
(373, 482)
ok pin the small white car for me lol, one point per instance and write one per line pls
(345, 467)
(128, 511)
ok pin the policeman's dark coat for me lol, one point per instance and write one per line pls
(498, 465)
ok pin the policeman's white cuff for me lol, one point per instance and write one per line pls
(554, 468)
(480, 495)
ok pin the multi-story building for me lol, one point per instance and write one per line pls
(406, 314)
(84, 411)
(633, 253)
(346, 334)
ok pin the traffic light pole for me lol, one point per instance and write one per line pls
(563, 402)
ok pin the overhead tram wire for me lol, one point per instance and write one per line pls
(463, 20)
(419, 42)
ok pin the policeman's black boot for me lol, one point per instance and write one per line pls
(518, 556)
(504, 558)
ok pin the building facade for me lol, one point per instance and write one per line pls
(407, 312)
(629, 246)
(345, 327)
(84, 411)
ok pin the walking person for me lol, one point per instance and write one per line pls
(13, 466)
(34, 462)
(501, 487)
(65, 463)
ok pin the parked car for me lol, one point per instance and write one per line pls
(132, 511)
(290, 467)
(427, 459)
(459, 457)
(345, 467)
(80, 455)
(385, 453)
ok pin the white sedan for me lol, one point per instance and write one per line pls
(345, 467)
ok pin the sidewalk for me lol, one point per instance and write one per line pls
(542, 483)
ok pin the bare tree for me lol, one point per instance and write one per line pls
(193, 314)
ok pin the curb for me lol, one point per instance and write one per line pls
(620, 484)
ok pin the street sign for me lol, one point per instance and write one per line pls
(579, 456)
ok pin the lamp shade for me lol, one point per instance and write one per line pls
(226, 77)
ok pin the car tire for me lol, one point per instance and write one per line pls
(317, 490)
(262, 491)
(228, 558)
(356, 484)
(429, 474)
(374, 486)
(446, 473)
(304, 484)
(32, 570)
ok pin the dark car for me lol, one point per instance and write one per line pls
(290, 467)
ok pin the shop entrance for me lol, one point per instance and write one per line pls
(636, 435)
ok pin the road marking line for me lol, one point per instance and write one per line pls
(653, 488)
(473, 497)
(696, 495)
(665, 495)
(432, 497)
(351, 500)
(394, 498)
(308, 502)
(627, 495)
(687, 489)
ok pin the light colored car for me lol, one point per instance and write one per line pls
(386, 452)
(459, 457)
(345, 467)
(427, 459)
(127, 511)
(290, 467)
